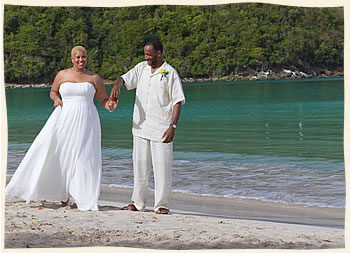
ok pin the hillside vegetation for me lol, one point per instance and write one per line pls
(199, 41)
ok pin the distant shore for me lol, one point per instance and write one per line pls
(284, 74)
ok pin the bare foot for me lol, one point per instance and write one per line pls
(130, 207)
(65, 203)
(162, 210)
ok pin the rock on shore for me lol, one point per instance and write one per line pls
(267, 75)
(250, 75)
(19, 86)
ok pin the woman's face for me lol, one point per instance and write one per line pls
(79, 60)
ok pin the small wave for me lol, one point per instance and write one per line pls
(247, 177)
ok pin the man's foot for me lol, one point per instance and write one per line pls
(130, 207)
(162, 210)
(65, 203)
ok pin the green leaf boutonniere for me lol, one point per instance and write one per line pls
(163, 73)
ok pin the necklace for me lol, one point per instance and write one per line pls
(79, 71)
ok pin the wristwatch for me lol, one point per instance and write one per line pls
(173, 125)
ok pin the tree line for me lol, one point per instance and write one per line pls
(199, 41)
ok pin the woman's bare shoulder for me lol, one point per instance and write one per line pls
(61, 75)
(91, 73)
(64, 71)
(97, 79)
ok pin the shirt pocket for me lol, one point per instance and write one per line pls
(164, 100)
(164, 93)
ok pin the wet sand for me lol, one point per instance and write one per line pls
(238, 208)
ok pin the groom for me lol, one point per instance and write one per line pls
(159, 96)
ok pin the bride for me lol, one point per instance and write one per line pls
(64, 161)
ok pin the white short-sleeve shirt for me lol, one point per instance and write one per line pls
(156, 95)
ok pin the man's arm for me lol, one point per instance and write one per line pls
(115, 92)
(169, 134)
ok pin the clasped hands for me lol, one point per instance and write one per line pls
(111, 104)
(113, 99)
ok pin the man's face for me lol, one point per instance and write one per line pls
(151, 55)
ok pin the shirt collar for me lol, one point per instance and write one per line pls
(158, 70)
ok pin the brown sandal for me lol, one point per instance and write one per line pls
(162, 210)
(130, 207)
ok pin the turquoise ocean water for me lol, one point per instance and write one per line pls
(278, 141)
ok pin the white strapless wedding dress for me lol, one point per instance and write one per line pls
(65, 158)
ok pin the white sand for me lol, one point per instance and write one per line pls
(46, 224)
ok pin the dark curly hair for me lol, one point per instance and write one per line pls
(156, 44)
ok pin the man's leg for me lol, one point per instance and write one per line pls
(142, 165)
(162, 160)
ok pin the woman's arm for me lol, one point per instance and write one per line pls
(102, 96)
(54, 93)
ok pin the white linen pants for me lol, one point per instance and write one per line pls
(149, 154)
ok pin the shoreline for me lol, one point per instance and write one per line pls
(45, 224)
(194, 222)
(234, 208)
(257, 76)
(246, 209)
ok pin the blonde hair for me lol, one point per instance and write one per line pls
(76, 49)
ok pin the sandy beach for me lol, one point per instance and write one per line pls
(195, 222)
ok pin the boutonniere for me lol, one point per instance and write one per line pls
(163, 73)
